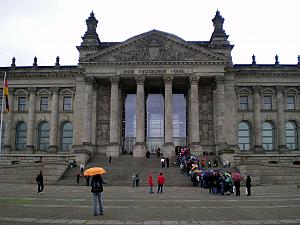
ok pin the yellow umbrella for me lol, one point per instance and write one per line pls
(94, 171)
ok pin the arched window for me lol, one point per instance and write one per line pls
(268, 136)
(2, 134)
(244, 136)
(66, 136)
(291, 135)
(43, 136)
(21, 131)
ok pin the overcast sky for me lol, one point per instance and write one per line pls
(50, 28)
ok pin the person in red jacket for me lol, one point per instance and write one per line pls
(160, 181)
(150, 183)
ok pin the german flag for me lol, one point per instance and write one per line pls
(5, 91)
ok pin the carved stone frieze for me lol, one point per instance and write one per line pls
(206, 128)
(103, 114)
(155, 46)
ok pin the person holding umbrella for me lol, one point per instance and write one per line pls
(97, 188)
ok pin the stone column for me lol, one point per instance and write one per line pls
(8, 124)
(113, 148)
(87, 139)
(194, 119)
(220, 113)
(140, 146)
(280, 119)
(168, 149)
(230, 113)
(31, 120)
(54, 121)
(257, 120)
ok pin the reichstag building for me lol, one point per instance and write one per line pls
(154, 90)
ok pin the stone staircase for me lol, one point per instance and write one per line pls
(268, 174)
(119, 172)
(27, 172)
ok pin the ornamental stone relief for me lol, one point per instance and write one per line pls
(103, 114)
(206, 131)
(154, 47)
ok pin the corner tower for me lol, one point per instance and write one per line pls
(90, 41)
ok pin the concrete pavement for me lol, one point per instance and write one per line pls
(20, 204)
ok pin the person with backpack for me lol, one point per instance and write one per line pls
(40, 181)
(97, 189)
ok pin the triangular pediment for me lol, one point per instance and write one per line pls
(44, 92)
(268, 90)
(155, 46)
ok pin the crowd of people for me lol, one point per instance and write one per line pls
(217, 180)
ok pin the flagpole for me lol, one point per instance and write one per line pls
(1, 123)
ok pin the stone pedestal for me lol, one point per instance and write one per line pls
(168, 150)
(283, 149)
(196, 149)
(113, 150)
(82, 153)
(139, 150)
(259, 149)
(52, 149)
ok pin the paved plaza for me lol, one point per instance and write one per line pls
(20, 205)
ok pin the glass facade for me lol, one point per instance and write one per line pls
(66, 136)
(43, 136)
(155, 121)
(67, 103)
(268, 136)
(291, 135)
(267, 102)
(44, 104)
(290, 102)
(21, 103)
(243, 102)
(21, 132)
(244, 136)
(130, 122)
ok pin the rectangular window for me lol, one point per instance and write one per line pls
(67, 103)
(267, 102)
(21, 103)
(290, 102)
(44, 104)
(243, 102)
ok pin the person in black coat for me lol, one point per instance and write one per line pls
(40, 181)
(248, 185)
(97, 189)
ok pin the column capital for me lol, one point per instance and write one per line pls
(31, 90)
(193, 79)
(168, 79)
(220, 80)
(89, 80)
(55, 90)
(140, 79)
(256, 89)
(279, 88)
(114, 79)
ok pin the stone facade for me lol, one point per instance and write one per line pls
(89, 97)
